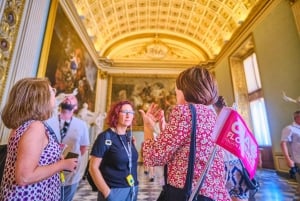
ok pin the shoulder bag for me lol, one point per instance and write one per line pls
(171, 193)
(252, 184)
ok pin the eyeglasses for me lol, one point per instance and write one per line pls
(127, 112)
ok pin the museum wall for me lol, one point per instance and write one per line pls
(277, 46)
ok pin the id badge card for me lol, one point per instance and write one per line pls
(130, 180)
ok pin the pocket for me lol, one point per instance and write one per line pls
(109, 197)
(117, 194)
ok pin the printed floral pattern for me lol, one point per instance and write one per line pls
(173, 144)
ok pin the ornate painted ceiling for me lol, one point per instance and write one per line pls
(161, 32)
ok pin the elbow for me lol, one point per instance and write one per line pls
(282, 145)
(91, 168)
(24, 178)
(83, 150)
(22, 181)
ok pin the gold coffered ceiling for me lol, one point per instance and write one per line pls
(134, 32)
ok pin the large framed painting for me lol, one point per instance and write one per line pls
(67, 63)
(142, 90)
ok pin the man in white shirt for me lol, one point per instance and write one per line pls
(72, 132)
(290, 144)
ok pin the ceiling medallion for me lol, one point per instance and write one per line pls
(156, 49)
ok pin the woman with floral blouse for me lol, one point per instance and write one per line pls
(195, 86)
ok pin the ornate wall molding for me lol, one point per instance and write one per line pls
(296, 11)
(239, 79)
(9, 26)
(22, 28)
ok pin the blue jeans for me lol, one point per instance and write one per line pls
(68, 192)
(120, 194)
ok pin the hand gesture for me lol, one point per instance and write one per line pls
(154, 114)
(148, 118)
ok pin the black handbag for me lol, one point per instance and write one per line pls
(171, 193)
(252, 184)
(163, 194)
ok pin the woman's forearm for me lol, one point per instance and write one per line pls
(148, 133)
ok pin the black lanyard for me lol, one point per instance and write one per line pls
(64, 129)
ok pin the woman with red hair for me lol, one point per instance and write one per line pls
(113, 162)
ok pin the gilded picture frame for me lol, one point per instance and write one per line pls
(65, 60)
(142, 90)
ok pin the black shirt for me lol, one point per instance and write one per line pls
(115, 162)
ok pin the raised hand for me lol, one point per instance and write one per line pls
(154, 114)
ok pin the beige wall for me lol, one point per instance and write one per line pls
(277, 45)
(278, 54)
(223, 75)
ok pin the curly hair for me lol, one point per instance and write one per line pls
(113, 114)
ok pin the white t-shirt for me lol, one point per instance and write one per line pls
(291, 134)
(77, 135)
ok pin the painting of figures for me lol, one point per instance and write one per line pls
(69, 67)
(142, 91)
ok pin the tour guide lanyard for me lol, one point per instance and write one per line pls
(129, 178)
(128, 152)
(63, 130)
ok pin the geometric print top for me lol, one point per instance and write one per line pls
(48, 189)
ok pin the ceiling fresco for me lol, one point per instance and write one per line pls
(160, 32)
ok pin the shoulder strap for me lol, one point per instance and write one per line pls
(190, 171)
(108, 141)
(52, 133)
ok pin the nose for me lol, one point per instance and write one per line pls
(67, 100)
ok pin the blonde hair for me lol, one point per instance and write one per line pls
(29, 99)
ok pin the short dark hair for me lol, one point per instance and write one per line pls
(220, 102)
(198, 85)
(296, 114)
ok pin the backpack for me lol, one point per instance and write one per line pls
(3, 153)
(87, 173)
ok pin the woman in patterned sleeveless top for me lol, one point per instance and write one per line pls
(33, 160)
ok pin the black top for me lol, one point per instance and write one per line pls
(115, 162)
